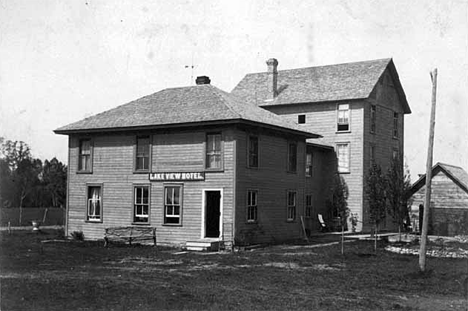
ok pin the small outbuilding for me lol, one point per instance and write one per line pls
(449, 201)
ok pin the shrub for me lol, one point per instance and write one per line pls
(77, 235)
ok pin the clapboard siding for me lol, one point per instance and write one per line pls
(113, 164)
(386, 100)
(272, 181)
(449, 206)
(322, 118)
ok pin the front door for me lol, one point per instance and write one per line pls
(212, 213)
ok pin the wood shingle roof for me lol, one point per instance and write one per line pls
(456, 173)
(183, 106)
(320, 84)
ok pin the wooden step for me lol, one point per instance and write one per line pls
(202, 245)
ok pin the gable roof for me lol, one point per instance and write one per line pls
(456, 173)
(183, 106)
(319, 84)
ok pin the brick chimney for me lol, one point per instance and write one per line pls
(202, 80)
(272, 78)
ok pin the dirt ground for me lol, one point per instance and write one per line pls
(71, 275)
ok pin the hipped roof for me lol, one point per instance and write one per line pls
(183, 106)
(339, 82)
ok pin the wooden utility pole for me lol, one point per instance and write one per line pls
(427, 198)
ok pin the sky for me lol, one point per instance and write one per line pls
(62, 61)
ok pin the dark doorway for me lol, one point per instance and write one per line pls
(212, 213)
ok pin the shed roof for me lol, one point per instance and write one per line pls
(183, 106)
(347, 81)
(456, 173)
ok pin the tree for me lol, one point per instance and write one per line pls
(339, 198)
(375, 190)
(54, 179)
(398, 183)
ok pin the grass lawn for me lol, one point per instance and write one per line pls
(86, 276)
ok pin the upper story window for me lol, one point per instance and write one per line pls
(343, 118)
(141, 204)
(94, 204)
(142, 153)
(309, 161)
(301, 119)
(252, 206)
(342, 150)
(291, 211)
(373, 111)
(85, 156)
(253, 151)
(395, 125)
(292, 157)
(213, 151)
(372, 154)
(172, 205)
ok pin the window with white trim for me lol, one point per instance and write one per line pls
(84, 158)
(308, 210)
(342, 151)
(395, 125)
(172, 205)
(94, 204)
(213, 151)
(301, 119)
(309, 162)
(252, 206)
(291, 211)
(142, 153)
(253, 151)
(141, 204)
(343, 118)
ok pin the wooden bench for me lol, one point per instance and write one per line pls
(132, 234)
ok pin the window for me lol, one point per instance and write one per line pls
(142, 153)
(253, 151)
(252, 206)
(395, 154)
(343, 117)
(373, 110)
(372, 154)
(94, 202)
(301, 119)
(292, 157)
(213, 151)
(141, 204)
(84, 161)
(308, 211)
(291, 205)
(309, 161)
(395, 125)
(343, 157)
(172, 205)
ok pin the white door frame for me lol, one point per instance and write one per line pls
(203, 210)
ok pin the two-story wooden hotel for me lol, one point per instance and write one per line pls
(250, 166)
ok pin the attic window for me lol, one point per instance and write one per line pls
(301, 119)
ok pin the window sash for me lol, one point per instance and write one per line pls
(292, 157)
(142, 153)
(343, 157)
(343, 117)
(309, 158)
(252, 207)
(141, 204)
(213, 151)
(373, 115)
(395, 125)
(308, 211)
(84, 161)
(253, 151)
(172, 204)
(94, 208)
(291, 205)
